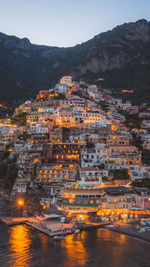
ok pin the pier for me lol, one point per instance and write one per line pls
(48, 227)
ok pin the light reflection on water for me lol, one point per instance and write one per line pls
(75, 250)
(20, 241)
(22, 246)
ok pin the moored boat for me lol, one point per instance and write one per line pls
(77, 231)
(56, 237)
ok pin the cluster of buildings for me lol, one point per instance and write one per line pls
(82, 153)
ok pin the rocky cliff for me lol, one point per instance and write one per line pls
(120, 56)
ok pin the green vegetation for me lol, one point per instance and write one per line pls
(3, 155)
(83, 86)
(101, 166)
(11, 176)
(59, 96)
(34, 171)
(19, 119)
(142, 183)
(104, 105)
(137, 141)
(24, 137)
(45, 71)
(131, 120)
(120, 174)
(146, 157)
(90, 145)
(8, 173)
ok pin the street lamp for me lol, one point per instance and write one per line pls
(20, 202)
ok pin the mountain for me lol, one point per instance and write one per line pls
(120, 56)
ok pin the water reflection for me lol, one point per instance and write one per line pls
(25, 247)
(75, 250)
(20, 240)
(44, 242)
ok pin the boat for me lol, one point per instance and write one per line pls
(110, 226)
(116, 226)
(144, 229)
(56, 237)
(77, 231)
(137, 227)
(141, 231)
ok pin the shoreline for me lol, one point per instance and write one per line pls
(132, 233)
(52, 229)
(48, 227)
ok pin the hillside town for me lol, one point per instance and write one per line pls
(78, 151)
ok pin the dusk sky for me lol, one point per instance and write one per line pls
(67, 22)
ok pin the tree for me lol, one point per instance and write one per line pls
(19, 119)
(131, 120)
(11, 176)
(83, 86)
(34, 172)
(137, 141)
(142, 183)
(146, 157)
(120, 174)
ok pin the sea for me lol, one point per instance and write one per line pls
(23, 246)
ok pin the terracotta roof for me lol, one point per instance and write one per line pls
(86, 191)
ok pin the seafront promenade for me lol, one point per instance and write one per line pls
(49, 227)
(53, 228)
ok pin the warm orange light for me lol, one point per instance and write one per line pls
(20, 202)
(19, 242)
(69, 214)
(127, 91)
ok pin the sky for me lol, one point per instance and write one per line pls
(67, 22)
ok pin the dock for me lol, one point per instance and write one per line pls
(48, 227)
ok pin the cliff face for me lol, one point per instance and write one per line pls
(120, 56)
(126, 44)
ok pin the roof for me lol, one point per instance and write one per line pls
(89, 169)
(79, 205)
(118, 189)
(82, 191)
(52, 216)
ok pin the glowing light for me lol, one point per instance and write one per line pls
(20, 202)
(127, 91)
(20, 241)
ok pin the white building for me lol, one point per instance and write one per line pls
(91, 174)
(138, 172)
(66, 80)
(38, 128)
(90, 158)
(100, 123)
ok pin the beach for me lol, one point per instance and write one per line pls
(130, 230)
